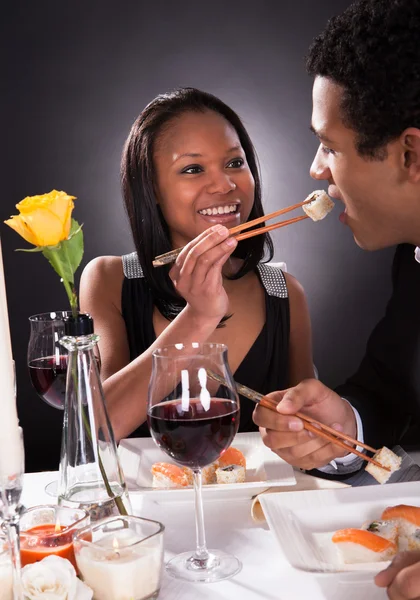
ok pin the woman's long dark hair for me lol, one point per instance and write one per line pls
(149, 229)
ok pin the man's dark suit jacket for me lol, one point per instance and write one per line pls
(386, 388)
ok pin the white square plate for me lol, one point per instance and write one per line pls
(264, 470)
(303, 522)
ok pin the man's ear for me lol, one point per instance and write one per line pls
(410, 139)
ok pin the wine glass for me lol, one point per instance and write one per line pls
(47, 358)
(47, 362)
(194, 419)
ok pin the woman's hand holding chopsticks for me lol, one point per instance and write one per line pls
(197, 273)
(284, 432)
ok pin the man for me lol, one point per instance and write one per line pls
(366, 115)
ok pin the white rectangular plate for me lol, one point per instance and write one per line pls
(264, 470)
(303, 522)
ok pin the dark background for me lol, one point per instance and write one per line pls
(76, 75)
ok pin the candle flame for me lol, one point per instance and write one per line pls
(57, 527)
(115, 545)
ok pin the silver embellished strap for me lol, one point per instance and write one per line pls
(131, 266)
(272, 277)
(273, 280)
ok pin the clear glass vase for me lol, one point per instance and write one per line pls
(90, 475)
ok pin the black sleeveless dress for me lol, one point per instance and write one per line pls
(264, 369)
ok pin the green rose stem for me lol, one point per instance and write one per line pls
(118, 501)
(57, 263)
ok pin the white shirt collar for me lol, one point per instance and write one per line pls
(417, 254)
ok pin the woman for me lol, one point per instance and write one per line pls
(189, 172)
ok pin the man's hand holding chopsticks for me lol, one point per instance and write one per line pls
(284, 432)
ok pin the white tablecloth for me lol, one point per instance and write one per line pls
(265, 575)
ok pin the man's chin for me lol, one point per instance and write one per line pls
(363, 242)
(369, 245)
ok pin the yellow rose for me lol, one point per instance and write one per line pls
(44, 220)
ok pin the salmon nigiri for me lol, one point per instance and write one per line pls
(232, 456)
(360, 546)
(385, 529)
(167, 475)
(407, 519)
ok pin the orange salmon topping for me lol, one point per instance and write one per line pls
(232, 456)
(173, 472)
(402, 511)
(369, 540)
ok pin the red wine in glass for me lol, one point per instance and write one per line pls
(193, 415)
(48, 376)
(194, 437)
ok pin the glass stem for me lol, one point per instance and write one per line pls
(12, 530)
(201, 552)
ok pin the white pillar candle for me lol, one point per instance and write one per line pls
(119, 572)
(11, 452)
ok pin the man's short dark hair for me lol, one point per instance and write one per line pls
(372, 50)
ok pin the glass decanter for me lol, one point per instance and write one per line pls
(90, 475)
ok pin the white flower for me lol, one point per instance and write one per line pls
(53, 578)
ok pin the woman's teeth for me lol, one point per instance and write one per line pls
(219, 210)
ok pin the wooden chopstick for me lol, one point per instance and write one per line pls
(270, 216)
(248, 234)
(171, 256)
(340, 434)
(309, 423)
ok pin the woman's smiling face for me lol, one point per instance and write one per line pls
(202, 176)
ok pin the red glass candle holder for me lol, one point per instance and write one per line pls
(46, 530)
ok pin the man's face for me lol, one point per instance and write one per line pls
(375, 193)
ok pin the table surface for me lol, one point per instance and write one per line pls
(266, 575)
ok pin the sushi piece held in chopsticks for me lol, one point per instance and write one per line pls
(387, 458)
(407, 519)
(167, 475)
(362, 546)
(320, 206)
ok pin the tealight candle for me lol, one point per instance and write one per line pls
(121, 558)
(49, 530)
(6, 575)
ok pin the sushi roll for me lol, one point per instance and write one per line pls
(230, 474)
(387, 458)
(320, 206)
(232, 456)
(407, 519)
(167, 475)
(386, 529)
(208, 473)
(362, 546)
